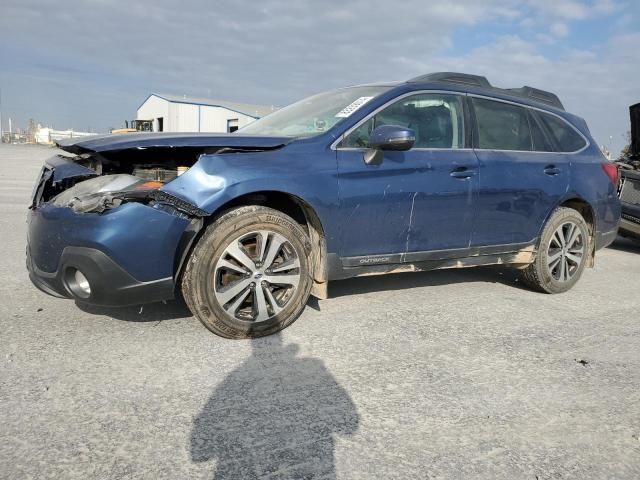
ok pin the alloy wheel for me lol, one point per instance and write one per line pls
(256, 276)
(566, 251)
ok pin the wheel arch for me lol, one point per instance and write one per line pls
(586, 210)
(299, 210)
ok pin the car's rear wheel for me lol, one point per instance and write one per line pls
(562, 253)
(249, 274)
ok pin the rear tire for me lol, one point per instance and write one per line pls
(562, 253)
(249, 275)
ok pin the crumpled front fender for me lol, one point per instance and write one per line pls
(219, 178)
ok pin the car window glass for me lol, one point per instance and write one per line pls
(359, 138)
(540, 141)
(436, 120)
(316, 114)
(502, 126)
(567, 139)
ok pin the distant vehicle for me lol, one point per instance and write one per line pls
(136, 126)
(630, 181)
(441, 171)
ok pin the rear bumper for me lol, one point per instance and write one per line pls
(604, 239)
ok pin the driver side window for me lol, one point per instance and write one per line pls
(437, 120)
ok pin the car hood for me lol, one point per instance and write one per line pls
(127, 141)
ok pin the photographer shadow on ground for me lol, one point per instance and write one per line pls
(275, 415)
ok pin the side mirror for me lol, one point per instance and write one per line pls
(388, 137)
(391, 137)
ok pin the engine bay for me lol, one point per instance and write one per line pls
(95, 182)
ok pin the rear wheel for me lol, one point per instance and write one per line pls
(562, 253)
(249, 275)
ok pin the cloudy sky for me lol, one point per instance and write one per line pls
(89, 64)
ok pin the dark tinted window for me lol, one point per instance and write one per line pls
(436, 119)
(502, 126)
(567, 139)
(540, 141)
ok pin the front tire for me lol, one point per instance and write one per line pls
(249, 275)
(562, 253)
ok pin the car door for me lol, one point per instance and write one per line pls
(521, 179)
(418, 200)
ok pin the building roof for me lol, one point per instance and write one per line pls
(251, 110)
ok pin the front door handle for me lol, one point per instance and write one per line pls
(551, 170)
(462, 172)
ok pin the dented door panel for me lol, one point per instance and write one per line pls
(411, 202)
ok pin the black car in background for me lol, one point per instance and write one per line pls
(630, 181)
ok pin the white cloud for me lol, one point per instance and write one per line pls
(606, 6)
(596, 85)
(573, 10)
(96, 60)
(559, 29)
(565, 9)
(211, 42)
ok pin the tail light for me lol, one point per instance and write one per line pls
(612, 172)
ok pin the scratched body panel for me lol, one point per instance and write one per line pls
(409, 203)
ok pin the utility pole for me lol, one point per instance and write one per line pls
(1, 137)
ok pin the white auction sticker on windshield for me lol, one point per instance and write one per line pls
(349, 109)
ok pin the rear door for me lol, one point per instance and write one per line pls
(415, 201)
(521, 179)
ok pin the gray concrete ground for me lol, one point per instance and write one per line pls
(449, 374)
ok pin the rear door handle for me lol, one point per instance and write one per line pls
(462, 172)
(551, 170)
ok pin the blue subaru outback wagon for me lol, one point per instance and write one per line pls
(441, 171)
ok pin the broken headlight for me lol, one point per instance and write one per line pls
(100, 193)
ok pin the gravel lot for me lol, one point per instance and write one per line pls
(449, 374)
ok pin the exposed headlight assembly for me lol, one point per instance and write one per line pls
(100, 193)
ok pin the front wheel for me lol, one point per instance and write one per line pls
(562, 253)
(249, 275)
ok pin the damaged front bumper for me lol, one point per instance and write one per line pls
(127, 255)
(104, 225)
(109, 284)
(125, 249)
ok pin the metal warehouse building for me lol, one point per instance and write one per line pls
(171, 113)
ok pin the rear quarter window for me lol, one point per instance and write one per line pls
(541, 142)
(565, 137)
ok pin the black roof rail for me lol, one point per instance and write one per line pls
(453, 77)
(538, 95)
(482, 82)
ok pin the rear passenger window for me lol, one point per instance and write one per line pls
(567, 139)
(502, 126)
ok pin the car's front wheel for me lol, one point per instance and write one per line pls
(249, 275)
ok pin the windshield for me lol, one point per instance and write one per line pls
(314, 115)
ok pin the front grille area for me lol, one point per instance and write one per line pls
(630, 192)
